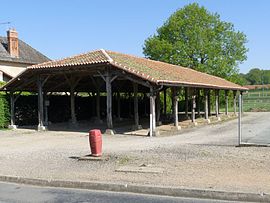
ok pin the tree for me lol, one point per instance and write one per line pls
(195, 38)
(242, 79)
(257, 76)
(254, 76)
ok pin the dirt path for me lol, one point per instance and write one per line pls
(199, 158)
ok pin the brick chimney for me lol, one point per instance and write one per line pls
(13, 43)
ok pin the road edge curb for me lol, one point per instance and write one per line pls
(141, 189)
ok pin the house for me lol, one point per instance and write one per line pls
(16, 55)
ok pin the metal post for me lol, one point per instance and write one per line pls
(239, 119)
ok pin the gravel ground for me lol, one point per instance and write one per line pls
(203, 157)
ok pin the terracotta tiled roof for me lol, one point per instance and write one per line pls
(93, 57)
(161, 72)
(153, 71)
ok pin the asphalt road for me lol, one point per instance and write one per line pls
(256, 128)
(11, 193)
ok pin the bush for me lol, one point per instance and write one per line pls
(4, 111)
(2, 83)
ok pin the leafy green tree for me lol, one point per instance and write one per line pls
(2, 83)
(242, 79)
(195, 38)
(265, 76)
(254, 76)
(257, 76)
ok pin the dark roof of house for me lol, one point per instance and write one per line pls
(153, 71)
(27, 54)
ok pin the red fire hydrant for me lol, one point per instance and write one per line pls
(95, 140)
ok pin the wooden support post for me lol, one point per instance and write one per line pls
(98, 105)
(158, 108)
(73, 82)
(186, 102)
(136, 107)
(118, 106)
(145, 103)
(129, 105)
(172, 101)
(209, 102)
(198, 103)
(175, 108)
(234, 102)
(97, 85)
(72, 107)
(152, 114)
(109, 100)
(46, 118)
(12, 109)
(193, 108)
(41, 126)
(13, 99)
(206, 105)
(217, 103)
(165, 102)
(12, 112)
(226, 103)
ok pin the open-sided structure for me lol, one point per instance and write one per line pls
(103, 71)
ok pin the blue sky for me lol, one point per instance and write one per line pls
(59, 28)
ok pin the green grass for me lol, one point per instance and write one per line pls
(4, 129)
(257, 101)
(256, 106)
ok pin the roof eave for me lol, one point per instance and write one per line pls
(206, 86)
(5, 87)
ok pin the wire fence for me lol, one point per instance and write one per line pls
(255, 125)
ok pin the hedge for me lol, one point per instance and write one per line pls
(4, 111)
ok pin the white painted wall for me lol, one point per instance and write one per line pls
(1, 76)
(11, 70)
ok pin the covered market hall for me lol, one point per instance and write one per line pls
(112, 75)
